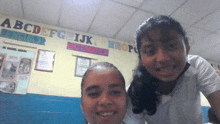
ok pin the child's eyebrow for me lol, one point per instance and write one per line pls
(94, 87)
(115, 85)
(172, 38)
(147, 46)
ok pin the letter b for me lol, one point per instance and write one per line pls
(18, 25)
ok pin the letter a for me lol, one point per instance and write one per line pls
(7, 21)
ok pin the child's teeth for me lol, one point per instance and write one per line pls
(166, 69)
(106, 114)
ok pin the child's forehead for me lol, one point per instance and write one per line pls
(158, 35)
(97, 86)
(155, 33)
(102, 70)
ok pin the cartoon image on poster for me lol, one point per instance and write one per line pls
(1, 60)
(15, 70)
(25, 66)
(9, 70)
(7, 87)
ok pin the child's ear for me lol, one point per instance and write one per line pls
(187, 45)
(187, 49)
(81, 108)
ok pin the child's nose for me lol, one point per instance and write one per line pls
(162, 55)
(105, 101)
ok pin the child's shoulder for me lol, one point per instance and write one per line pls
(193, 57)
(196, 60)
(198, 63)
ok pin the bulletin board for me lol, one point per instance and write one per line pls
(15, 70)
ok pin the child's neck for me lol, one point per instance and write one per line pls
(165, 88)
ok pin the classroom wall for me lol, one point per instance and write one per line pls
(40, 109)
(54, 97)
(62, 82)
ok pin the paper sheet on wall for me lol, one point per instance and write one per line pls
(82, 65)
(45, 61)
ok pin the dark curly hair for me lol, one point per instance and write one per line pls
(142, 90)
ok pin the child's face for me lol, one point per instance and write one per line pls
(163, 58)
(104, 97)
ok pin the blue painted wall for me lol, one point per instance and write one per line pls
(43, 109)
(39, 109)
(205, 111)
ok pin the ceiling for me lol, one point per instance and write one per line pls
(119, 19)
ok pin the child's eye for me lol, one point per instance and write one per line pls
(172, 46)
(115, 93)
(149, 52)
(93, 95)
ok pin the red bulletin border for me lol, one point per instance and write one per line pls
(87, 49)
(38, 58)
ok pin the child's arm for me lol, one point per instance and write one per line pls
(214, 100)
(208, 81)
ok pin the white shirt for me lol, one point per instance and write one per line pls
(183, 105)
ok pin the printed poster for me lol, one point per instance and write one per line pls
(15, 69)
(82, 64)
(45, 61)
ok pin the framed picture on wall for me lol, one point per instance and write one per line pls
(82, 64)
